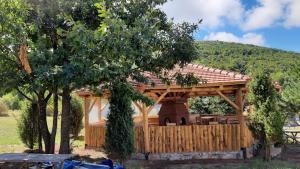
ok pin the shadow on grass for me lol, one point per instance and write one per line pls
(4, 115)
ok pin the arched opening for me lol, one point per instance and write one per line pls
(182, 121)
(166, 121)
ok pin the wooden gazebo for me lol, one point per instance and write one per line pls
(160, 134)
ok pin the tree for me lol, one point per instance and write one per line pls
(64, 50)
(290, 98)
(120, 133)
(78, 43)
(58, 46)
(138, 38)
(13, 50)
(210, 105)
(266, 120)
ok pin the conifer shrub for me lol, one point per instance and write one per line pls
(28, 125)
(76, 116)
(266, 121)
(119, 133)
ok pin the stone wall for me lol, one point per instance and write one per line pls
(190, 156)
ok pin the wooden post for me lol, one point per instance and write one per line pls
(146, 110)
(86, 119)
(240, 103)
(99, 109)
(146, 127)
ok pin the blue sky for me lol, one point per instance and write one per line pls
(269, 23)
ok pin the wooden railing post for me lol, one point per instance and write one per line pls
(145, 127)
(86, 119)
(240, 103)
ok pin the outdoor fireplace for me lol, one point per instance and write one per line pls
(173, 112)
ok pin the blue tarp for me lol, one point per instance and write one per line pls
(106, 164)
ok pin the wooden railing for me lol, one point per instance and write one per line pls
(192, 138)
(94, 136)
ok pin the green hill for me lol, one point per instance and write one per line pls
(246, 58)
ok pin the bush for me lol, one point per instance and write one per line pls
(13, 101)
(28, 125)
(77, 116)
(3, 108)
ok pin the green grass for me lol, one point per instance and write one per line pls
(8, 131)
(9, 138)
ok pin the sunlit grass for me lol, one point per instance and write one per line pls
(9, 137)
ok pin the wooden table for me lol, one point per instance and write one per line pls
(26, 158)
(293, 135)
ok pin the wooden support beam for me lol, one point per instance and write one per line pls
(138, 106)
(145, 111)
(92, 105)
(98, 101)
(157, 101)
(205, 85)
(240, 103)
(146, 128)
(228, 100)
(188, 90)
(86, 119)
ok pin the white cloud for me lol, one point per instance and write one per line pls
(292, 18)
(213, 12)
(272, 12)
(248, 38)
(265, 15)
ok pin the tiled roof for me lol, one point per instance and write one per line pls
(209, 75)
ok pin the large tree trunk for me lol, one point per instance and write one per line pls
(40, 143)
(54, 126)
(65, 122)
(44, 126)
(268, 152)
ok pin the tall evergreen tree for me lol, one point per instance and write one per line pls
(266, 120)
(119, 133)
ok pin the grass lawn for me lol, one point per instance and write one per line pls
(8, 131)
(9, 138)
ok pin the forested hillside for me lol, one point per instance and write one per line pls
(246, 58)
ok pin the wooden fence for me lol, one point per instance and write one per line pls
(192, 138)
(94, 136)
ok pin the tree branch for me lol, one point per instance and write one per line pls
(23, 94)
(48, 96)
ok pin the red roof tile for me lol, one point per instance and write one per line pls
(208, 74)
